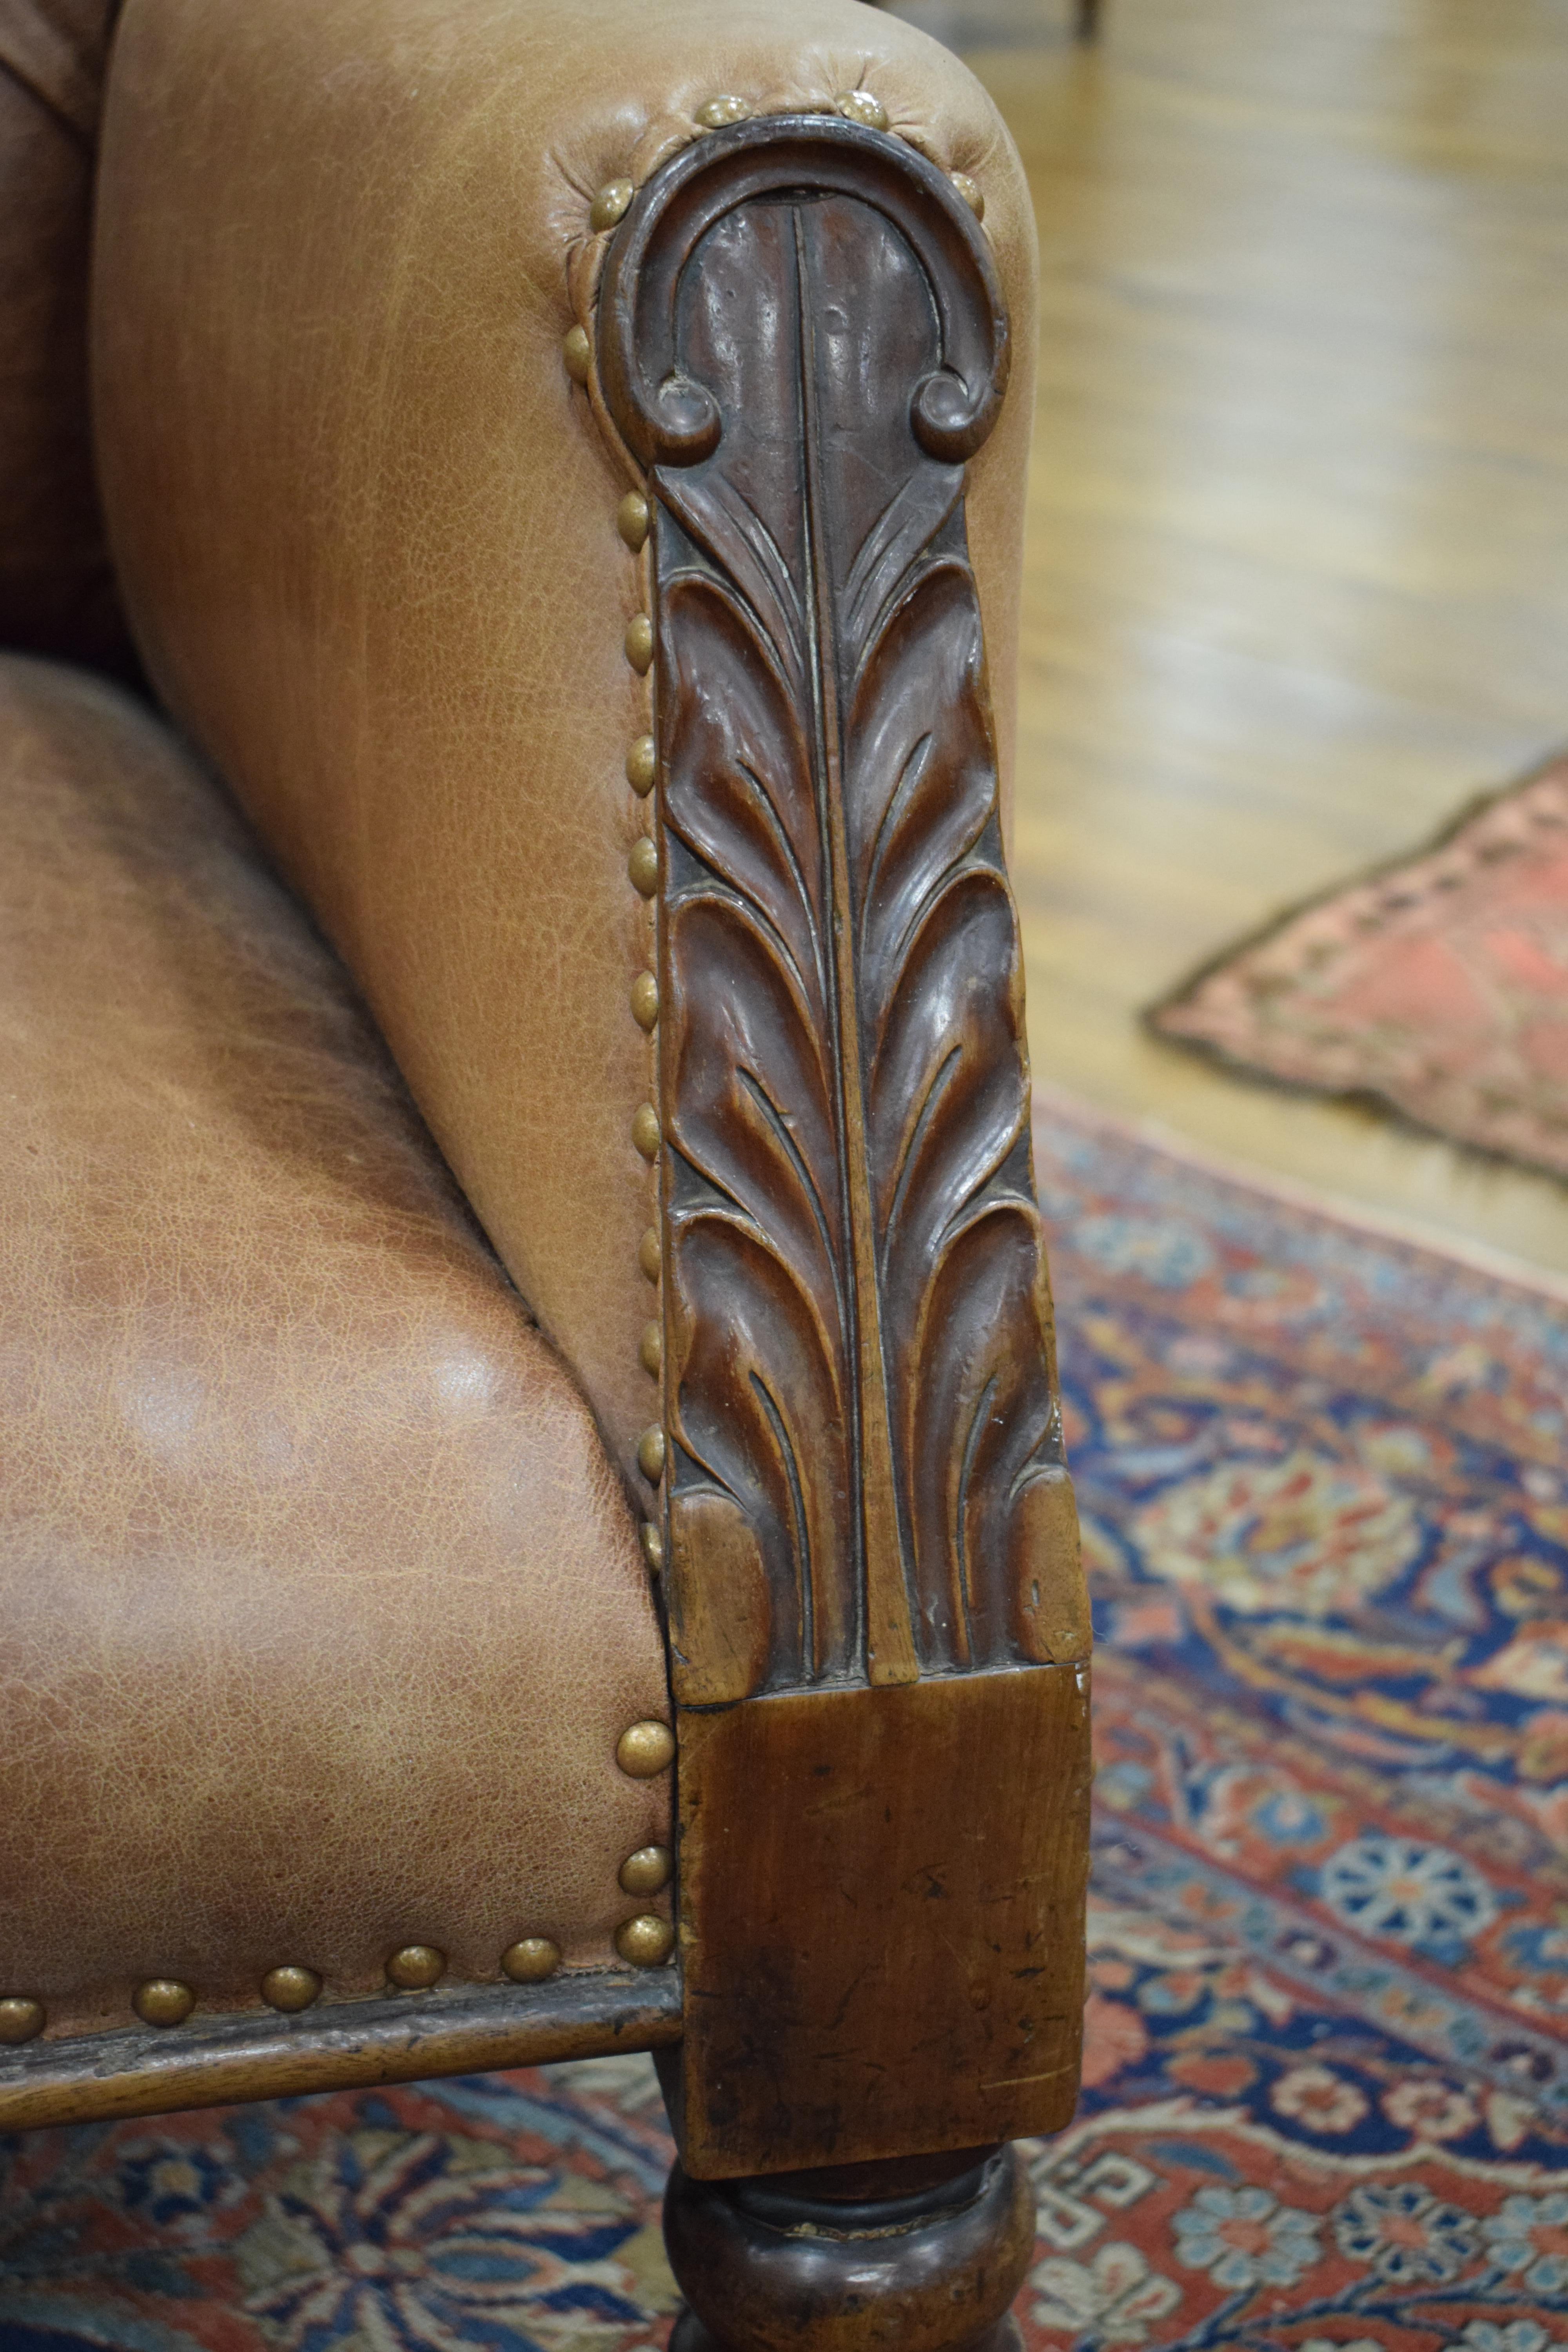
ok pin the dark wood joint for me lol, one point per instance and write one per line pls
(855, 2261)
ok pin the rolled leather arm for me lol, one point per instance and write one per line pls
(365, 520)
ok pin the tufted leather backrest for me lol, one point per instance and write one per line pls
(57, 588)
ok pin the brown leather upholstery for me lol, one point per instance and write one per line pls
(322, 1607)
(366, 526)
(56, 594)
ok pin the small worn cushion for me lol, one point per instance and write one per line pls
(321, 1610)
(57, 592)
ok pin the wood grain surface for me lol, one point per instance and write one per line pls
(883, 1907)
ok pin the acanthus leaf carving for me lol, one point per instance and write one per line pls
(864, 1479)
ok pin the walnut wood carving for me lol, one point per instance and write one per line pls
(877, 1619)
(803, 340)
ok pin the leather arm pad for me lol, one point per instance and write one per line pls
(365, 522)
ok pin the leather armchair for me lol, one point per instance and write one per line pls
(534, 1519)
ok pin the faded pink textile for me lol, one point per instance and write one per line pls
(1439, 985)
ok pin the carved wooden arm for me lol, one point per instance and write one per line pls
(740, 783)
(877, 1619)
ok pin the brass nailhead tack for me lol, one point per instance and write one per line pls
(718, 111)
(645, 1749)
(651, 1352)
(20, 2019)
(641, 763)
(639, 643)
(610, 203)
(970, 191)
(648, 1256)
(860, 105)
(650, 1455)
(647, 1872)
(161, 2001)
(653, 1547)
(645, 1130)
(646, 1942)
(577, 352)
(416, 1966)
(632, 519)
(531, 1960)
(645, 1000)
(289, 1989)
(642, 865)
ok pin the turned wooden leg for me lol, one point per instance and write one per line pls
(925, 2255)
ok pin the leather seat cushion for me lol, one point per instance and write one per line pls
(322, 1610)
(57, 591)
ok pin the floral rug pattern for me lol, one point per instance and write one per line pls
(1439, 985)
(1326, 2088)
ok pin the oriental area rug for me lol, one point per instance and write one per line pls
(1439, 986)
(1325, 2107)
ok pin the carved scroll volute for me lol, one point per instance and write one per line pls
(803, 340)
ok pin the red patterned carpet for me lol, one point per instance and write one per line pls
(1439, 986)
(1327, 2098)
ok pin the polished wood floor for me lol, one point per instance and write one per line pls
(1298, 575)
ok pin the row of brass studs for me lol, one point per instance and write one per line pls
(643, 1751)
(647, 1941)
(855, 105)
(634, 519)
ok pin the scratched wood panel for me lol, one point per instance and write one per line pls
(882, 1918)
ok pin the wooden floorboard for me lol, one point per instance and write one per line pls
(1298, 567)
